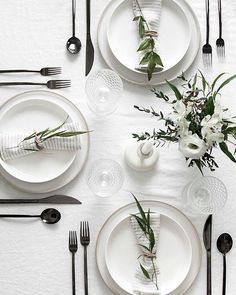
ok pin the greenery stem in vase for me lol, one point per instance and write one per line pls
(147, 45)
(198, 121)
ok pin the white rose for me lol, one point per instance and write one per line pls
(181, 109)
(183, 127)
(192, 146)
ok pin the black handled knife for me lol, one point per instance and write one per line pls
(89, 44)
(56, 199)
(207, 237)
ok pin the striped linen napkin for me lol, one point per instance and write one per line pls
(10, 149)
(142, 285)
(151, 10)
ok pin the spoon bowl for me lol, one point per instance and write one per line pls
(224, 245)
(73, 45)
(50, 216)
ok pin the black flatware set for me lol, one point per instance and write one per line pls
(74, 45)
(220, 43)
(224, 245)
(73, 248)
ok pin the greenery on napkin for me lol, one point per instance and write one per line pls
(144, 221)
(147, 46)
(38, 138)
(198, 121)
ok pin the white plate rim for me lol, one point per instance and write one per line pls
(14, 102)
(186, 236)
(140, 72)
(71, 173)
(173, 76)
(198, 252)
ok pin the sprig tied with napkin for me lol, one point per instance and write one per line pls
(63, 137)
(146, 226)
(147, 14)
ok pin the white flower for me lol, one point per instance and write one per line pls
(211, 129)
(192, 146)
(183, 127)
(181, 109)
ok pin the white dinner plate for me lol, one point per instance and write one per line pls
(41, 172)
(138, 77)
(179, 250)
(123, 38)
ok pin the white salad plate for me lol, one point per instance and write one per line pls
(42, 171)
(124, 40)
(179, 250)
(122, 68)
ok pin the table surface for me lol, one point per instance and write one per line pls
(35, 256)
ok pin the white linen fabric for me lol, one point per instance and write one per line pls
(12, 145)
(141, 284)
(35, 256)
(151, 10)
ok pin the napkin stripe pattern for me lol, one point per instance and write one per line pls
(151, 10)
(9, 143)
(142, 285)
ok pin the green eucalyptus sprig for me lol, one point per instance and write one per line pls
(147, 45)
(144, 221)
(38, 138)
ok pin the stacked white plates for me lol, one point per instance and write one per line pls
(179, 250)
(179, 40)
(35, 111)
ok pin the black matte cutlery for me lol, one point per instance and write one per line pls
(56, 199)
(207, 237)
(73, 45)
(73, 247)
(224, 245)
(44, 71)
(85, 240)
(207, 49)
(49, 216)
(52, 84)
(89, 44)
(220, 43)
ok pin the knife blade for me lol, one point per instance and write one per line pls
(207, 238)
(55, 199)
(89, 44)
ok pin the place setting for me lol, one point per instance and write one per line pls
(117, 191)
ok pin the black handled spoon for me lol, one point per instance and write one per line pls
(73, 45)
(49, 216)
(224, 245)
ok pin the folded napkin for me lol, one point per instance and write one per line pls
(151, 10)
(11, 145)
(142, 285)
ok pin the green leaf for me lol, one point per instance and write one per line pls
(141, 28)
(146, 58)
(144, 44)
(136, 18)
(209, 106)
(151, 68)
(72, 133)
(140, 209)
(216, 79)
(225, 150)
(145, 272)
(178, 95)
(226, 82)
(157, 59)
(204, 81)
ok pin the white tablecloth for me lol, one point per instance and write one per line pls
(34, 258)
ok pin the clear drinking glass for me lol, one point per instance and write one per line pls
(206, 195)
(103, 89)
(105, 177)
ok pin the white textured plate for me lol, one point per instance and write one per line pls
(70, 165)
(174, 35)
(179, 250)
(139, 78)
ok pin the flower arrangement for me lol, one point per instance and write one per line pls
(198, 122)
